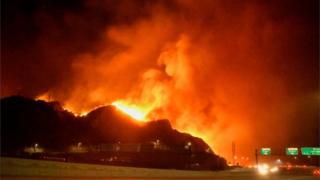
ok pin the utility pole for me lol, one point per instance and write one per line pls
(233, 152)
(256, 154)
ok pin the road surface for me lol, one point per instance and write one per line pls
(21, 169)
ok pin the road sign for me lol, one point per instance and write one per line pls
(310, 151)
(292, 151)
(265, 151)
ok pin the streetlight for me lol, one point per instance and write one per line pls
(188, 145)
(35, 146)
(156, 144)
(79, 145)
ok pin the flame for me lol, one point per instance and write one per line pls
(160, 93)
(44, 97)
(136, 112)
(69, 108)
(179, 86)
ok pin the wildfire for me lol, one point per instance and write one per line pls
(171, 90)
(44, 97)
(138, 113)
(47, 98)
(79, 114)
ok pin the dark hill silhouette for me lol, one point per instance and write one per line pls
(26, 121)
(109, 124)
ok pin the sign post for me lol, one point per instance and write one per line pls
(310, 151)
(265, 151)
(292, 151)
(256, 154)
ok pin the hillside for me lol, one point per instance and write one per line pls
(25, 122)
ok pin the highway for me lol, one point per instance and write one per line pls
(21, 169)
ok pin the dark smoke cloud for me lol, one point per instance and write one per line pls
(232, 70)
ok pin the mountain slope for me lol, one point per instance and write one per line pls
(25, 122)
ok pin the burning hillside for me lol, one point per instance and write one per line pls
(104, 124)
(103, 133)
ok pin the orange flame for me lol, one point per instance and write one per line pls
(136, 112)
(76, 113)
(44, 97)
(47, 98)
(168, 91)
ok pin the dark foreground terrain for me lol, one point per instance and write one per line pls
(18, 169)
(41, 130)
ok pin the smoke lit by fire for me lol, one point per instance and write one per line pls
(220, 70)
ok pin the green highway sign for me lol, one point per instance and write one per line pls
(310, 151)
(265, 151)
(292, 151)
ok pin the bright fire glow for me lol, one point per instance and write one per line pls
(79, 114)
(132, 110)
(44, 97)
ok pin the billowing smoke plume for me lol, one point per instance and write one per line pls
(243, 71)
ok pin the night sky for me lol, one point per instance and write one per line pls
(224, 70)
